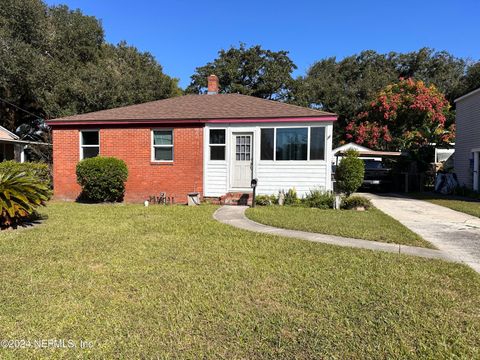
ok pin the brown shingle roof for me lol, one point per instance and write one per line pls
(199, 107)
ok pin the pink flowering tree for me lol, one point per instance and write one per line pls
(405, 115)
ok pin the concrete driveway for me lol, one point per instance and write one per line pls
(453, 232)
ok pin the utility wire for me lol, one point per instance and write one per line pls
(19, 108)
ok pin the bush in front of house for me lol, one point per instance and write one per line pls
(356, 201)
(266, 200)
(102, 179)
(40, 171)
(350, 172)
(319, 199)
(291, 197)
(20, 194)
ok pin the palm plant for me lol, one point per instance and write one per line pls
(20, 195)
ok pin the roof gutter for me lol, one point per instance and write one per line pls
(467, 95)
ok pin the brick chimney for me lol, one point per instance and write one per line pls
(212, 84)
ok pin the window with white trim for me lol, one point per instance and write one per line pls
(89, 144)
(217, 144)
(292, 143)
(162, 145)
(317, 143)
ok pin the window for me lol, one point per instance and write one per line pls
(266, 141)
(217, 144)
(292, 144)
(162, 145)
(243, 147)
(317, 143)
(90, 144)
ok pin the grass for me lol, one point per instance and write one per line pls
(458, 203)
(170, 282)
(369, 225)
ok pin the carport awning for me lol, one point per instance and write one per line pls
(373, 153)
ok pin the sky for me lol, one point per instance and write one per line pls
(183, 35)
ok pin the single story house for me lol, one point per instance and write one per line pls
(213, 144)
(467, 140)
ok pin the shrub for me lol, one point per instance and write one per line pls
(265, 200)
(291, 197)
(319, 199)
(355, 201)
(466, 192)
(41, 171)
(20, 194)
(102, 179)
(350, 172)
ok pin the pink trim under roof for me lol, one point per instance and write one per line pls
(192, 121)
(291, 119)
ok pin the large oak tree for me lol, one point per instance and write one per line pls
(250, 71)
(56, 62)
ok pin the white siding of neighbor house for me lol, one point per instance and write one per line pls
(467, 136)
(272, 176)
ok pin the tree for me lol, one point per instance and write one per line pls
(347, 87)
(470, 81)
(405, 115)
(56, 62)
(250, 71)
(438, 68)
(350, 172)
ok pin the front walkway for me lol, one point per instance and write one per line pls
(455, 233)
(235, 216)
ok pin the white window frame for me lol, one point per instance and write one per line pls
(80, 135)
(210, 145)
(309, 127)
(324, 142)
(153, 146)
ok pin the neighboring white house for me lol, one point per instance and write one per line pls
(11, 148)
(467, 139)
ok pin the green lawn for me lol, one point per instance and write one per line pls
(170, 282)
(462, 204)
(369, 225)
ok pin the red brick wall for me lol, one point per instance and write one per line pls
(133, 145)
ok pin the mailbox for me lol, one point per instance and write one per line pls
(253, 185)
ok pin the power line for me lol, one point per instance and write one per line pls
(19, 108)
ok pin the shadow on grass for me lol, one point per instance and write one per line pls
(25, 223)
(426, 195)
(437, 196)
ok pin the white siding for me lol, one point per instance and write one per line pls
(279, 175)
(272, 175)
(467, 137)
(216, 179)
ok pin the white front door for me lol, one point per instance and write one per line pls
(242, 158)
